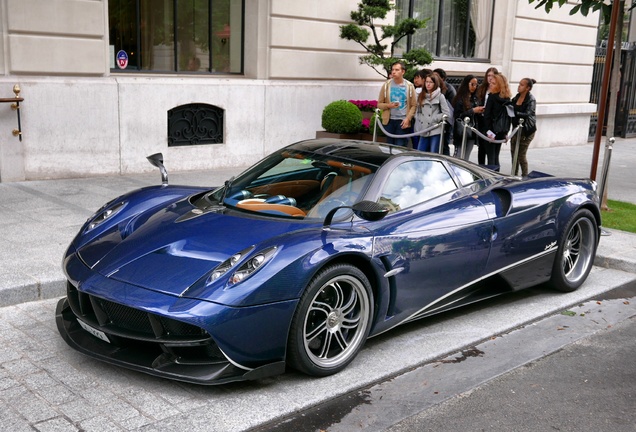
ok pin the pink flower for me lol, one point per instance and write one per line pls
(365, 105)
(365, 124)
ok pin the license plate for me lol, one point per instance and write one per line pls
(97, 333)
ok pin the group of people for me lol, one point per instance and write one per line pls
(420, 107)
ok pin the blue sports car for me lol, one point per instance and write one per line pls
(301, 258)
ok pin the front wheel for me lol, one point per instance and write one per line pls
(575, 255)
(332, 321)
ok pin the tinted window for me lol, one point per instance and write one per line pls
(414, 182)
(466, 176)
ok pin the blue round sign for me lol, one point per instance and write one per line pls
(122, 59)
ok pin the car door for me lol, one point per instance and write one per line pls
(435, 241)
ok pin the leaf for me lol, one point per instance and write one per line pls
(568, 313)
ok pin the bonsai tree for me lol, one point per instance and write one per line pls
(341, 117)
(378, 59)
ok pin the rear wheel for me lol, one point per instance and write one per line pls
(575, 255)
(332, 321)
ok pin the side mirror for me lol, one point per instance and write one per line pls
(157, 160)
(367, 210)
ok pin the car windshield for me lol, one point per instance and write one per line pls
(298, 184)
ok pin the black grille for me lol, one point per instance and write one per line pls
(125, 321)
(125, 317)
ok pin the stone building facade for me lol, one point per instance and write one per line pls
(82, 117)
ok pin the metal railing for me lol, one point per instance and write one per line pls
(15, 105)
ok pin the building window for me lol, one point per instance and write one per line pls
(457, 29)
(176, 35)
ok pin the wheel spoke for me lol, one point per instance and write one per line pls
(324, 352)
(567, 265)
(320, 307)
(341, 340)
(351, 322)
(351, 304)
(313, 334)
(575, 235)
(339, 295)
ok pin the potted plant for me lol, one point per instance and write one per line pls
(351, 119)
(341, 119)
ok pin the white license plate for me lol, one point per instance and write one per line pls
(94, 332)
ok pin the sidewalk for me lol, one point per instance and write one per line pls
(38, 219)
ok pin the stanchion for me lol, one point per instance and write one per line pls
(441, 136)
(464, 139)
(513, 170)
(375, 124)
(607, 156)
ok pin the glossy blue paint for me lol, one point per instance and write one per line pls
(157, 252)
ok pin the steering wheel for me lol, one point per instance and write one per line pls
(341, 200)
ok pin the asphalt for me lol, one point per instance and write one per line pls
(44, 385)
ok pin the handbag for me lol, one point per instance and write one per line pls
(459, 129)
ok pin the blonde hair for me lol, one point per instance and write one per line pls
(502, 87)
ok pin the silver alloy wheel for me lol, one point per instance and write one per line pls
(578, 251)
(336, 322)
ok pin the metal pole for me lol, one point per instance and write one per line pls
(513, 170)
(375, 124)
(606, 162)
(604, 89)
(441, 136)
(464, 139)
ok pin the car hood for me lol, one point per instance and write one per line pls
(168, 254)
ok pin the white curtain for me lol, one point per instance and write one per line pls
(480, 13)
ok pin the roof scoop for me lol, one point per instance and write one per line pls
(157, 160)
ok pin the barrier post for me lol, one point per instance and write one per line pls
(513, 170)
(375, 124)
(441, 136)
(607, 156)
(464, 139)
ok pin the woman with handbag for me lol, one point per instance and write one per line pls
(496, 118)
(465, 104)
(525, 107)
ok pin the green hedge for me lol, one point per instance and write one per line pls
(341, 117)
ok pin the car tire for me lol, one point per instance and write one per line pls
(332, 321)
(576, 252)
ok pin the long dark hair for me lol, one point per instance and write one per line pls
(463, 92)
(437, 80)
(483, 87)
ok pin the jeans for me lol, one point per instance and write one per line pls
(395, 127)
(429, 144)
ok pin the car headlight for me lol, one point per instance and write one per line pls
(246, 269)
(104, 214)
